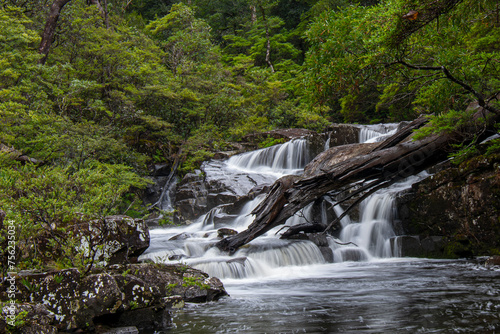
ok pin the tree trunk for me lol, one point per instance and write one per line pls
(50, 29)
(268, 38)
(392, 160)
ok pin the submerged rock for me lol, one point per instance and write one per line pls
(493, 261)
(140, 295)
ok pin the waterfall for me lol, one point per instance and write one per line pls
(373, 232)
(363, 239)
(288, 158)
(376, 132)
(374, 229)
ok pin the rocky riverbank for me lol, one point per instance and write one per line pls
(116, 293)
(460, 205)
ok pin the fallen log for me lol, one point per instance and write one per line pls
(392, 160)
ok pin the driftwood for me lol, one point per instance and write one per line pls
(390, 161)
(306, 228)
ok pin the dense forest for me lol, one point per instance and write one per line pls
(93, 92)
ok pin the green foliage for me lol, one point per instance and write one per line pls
(355, 67)
(493, 147)
(189, 281)
(19, 321)
(168, 80)
(46, 204)
(270, 141)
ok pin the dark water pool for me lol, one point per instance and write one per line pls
(394, 296)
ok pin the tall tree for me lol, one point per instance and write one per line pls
(50, 28)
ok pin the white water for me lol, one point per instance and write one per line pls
(288, 158)
(269, 256)
(376, 132)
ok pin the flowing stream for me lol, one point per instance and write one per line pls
(290, 286)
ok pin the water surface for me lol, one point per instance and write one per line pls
(388, 296)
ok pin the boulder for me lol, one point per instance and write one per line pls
(460, 204)
(121, 239)
(493, 261)
(223, 232)
(190, 197)
(343, 134)
(140, 295)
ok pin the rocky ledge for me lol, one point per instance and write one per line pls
(138, 295)
(460, 205)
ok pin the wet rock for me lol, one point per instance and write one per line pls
(223, 232)
(116, 295)
(418, 246)
(153, 191)
(461, 204)
(123, 330)
(432, 245)
(143, 319)
(190, 197)
(343, 134)
(181, 236)
(493, 261)
(408, 246)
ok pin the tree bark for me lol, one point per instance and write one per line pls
(392, 160)
(50, 29)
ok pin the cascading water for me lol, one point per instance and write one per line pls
(194, 244)
(279, 286)
(376, 132)
(288, 158)
(360, 240)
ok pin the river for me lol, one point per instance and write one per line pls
(352, 282)
(387, 296)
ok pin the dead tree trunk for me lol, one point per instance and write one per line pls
(50, 29)
(268, 38)
(392, 160)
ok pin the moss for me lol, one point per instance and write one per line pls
(460, 247)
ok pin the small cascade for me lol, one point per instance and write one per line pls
(327, 144)
(165, 201)
(288, 158)
(372, 234)
(376, 132)
(374, 228)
